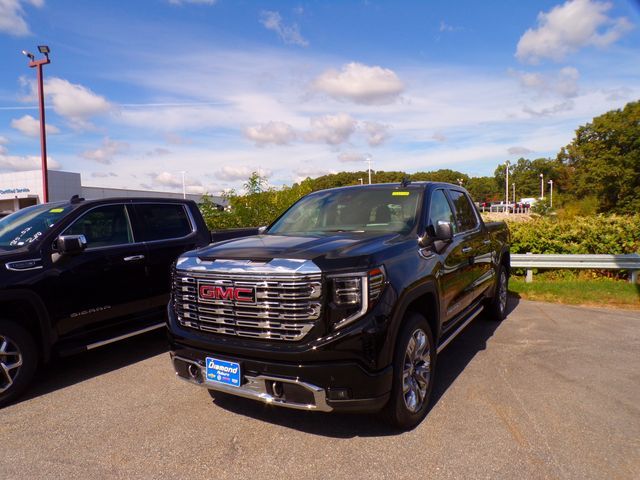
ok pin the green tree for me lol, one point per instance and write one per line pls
(604, 160)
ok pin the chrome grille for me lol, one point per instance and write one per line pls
(286, 307)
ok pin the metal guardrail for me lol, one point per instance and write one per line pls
(529, 261)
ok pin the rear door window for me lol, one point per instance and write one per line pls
(163, 221)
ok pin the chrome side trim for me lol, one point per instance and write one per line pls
(460, 328)
(91, 346)
(255, 388)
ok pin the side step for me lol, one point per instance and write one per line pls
(471, 316)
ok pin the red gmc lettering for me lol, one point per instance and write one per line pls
(214, 292)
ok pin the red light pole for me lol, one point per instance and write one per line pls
(33, 63)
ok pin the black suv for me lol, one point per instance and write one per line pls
(79, 274)
(343, 303)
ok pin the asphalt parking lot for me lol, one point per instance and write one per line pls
(552, 392)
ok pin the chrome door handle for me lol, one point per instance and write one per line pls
(467, 249)
(134, 258)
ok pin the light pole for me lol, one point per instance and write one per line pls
(184, 188)
(551, 193)
(542, 186)
(369, 163)
(33, 63)
(513, 186)
(506, 188)
(361, 181)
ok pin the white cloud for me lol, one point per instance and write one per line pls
(518, 151)
(445, 27)
(376, 133)
(278, 133)
(3, 140)
(240, 173)
(310, 172)
(551, 110)
(331, 129)
(73, 101)
(361, 84)
(103, 174)
(12, 16)
(106, 153)
(569, 27)
(564, 83)
(174, 181)
(29, 126)
(20, 163)
(289, 34)
(353, 157)
(438, 137)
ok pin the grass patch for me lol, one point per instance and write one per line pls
(603, 292)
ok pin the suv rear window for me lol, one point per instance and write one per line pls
(163, 221)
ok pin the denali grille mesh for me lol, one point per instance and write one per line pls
(286, 307)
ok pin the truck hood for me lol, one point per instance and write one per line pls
(321, 249)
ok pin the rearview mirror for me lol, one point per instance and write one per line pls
(71, 244)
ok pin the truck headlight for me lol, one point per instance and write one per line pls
(354, 294)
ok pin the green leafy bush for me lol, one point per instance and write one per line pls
(612, 234)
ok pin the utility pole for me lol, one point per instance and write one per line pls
(37, 64)
(551, 192)
(542, 186)
(369, 163)
(506, 189)
(513, 185)
(184, 187)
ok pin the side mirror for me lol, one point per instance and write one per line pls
(444, 231)
(71, 244)
(261, 230)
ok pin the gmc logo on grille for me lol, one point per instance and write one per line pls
(236, 294)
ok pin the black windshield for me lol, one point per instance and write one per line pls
(372, 209)
(28, 225)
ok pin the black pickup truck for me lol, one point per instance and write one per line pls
(80, 274)
(343, 303)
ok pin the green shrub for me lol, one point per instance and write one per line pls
(593, 234)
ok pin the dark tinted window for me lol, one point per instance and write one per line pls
(163, 221)
(103, 227)
(464, 211)
(440, 210)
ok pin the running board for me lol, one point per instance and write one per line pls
(91, 346)
(473, 315)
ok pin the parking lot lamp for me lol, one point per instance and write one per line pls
(37, 64)
(551, 193)
(506, 187)
(542, 186)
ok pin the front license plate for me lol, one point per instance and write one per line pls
(221, 371)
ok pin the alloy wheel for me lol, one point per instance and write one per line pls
(416, 372)
(10, 363)
(502, 292)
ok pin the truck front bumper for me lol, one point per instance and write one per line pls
(326, 387)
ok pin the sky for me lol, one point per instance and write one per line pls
(138, 92)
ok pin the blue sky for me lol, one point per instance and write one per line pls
(139, 91)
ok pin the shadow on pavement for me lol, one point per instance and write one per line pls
(451, 362)
(67, 371)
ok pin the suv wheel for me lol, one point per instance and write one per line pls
(18, 360)
(497, 308)
(413, 369)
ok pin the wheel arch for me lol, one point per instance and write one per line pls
(28, 309)
(424, 300)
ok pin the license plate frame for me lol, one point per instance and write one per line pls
(223, 372)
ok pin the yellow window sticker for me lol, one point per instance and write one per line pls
(56, 210)
(400, 194)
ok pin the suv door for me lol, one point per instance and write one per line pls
(168, 230)
(108, 280)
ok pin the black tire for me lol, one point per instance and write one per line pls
(400, 412)
(16, 346)
(497, 307)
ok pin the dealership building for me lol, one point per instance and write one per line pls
(22, 189)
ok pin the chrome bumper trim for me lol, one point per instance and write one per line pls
(255, 388)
